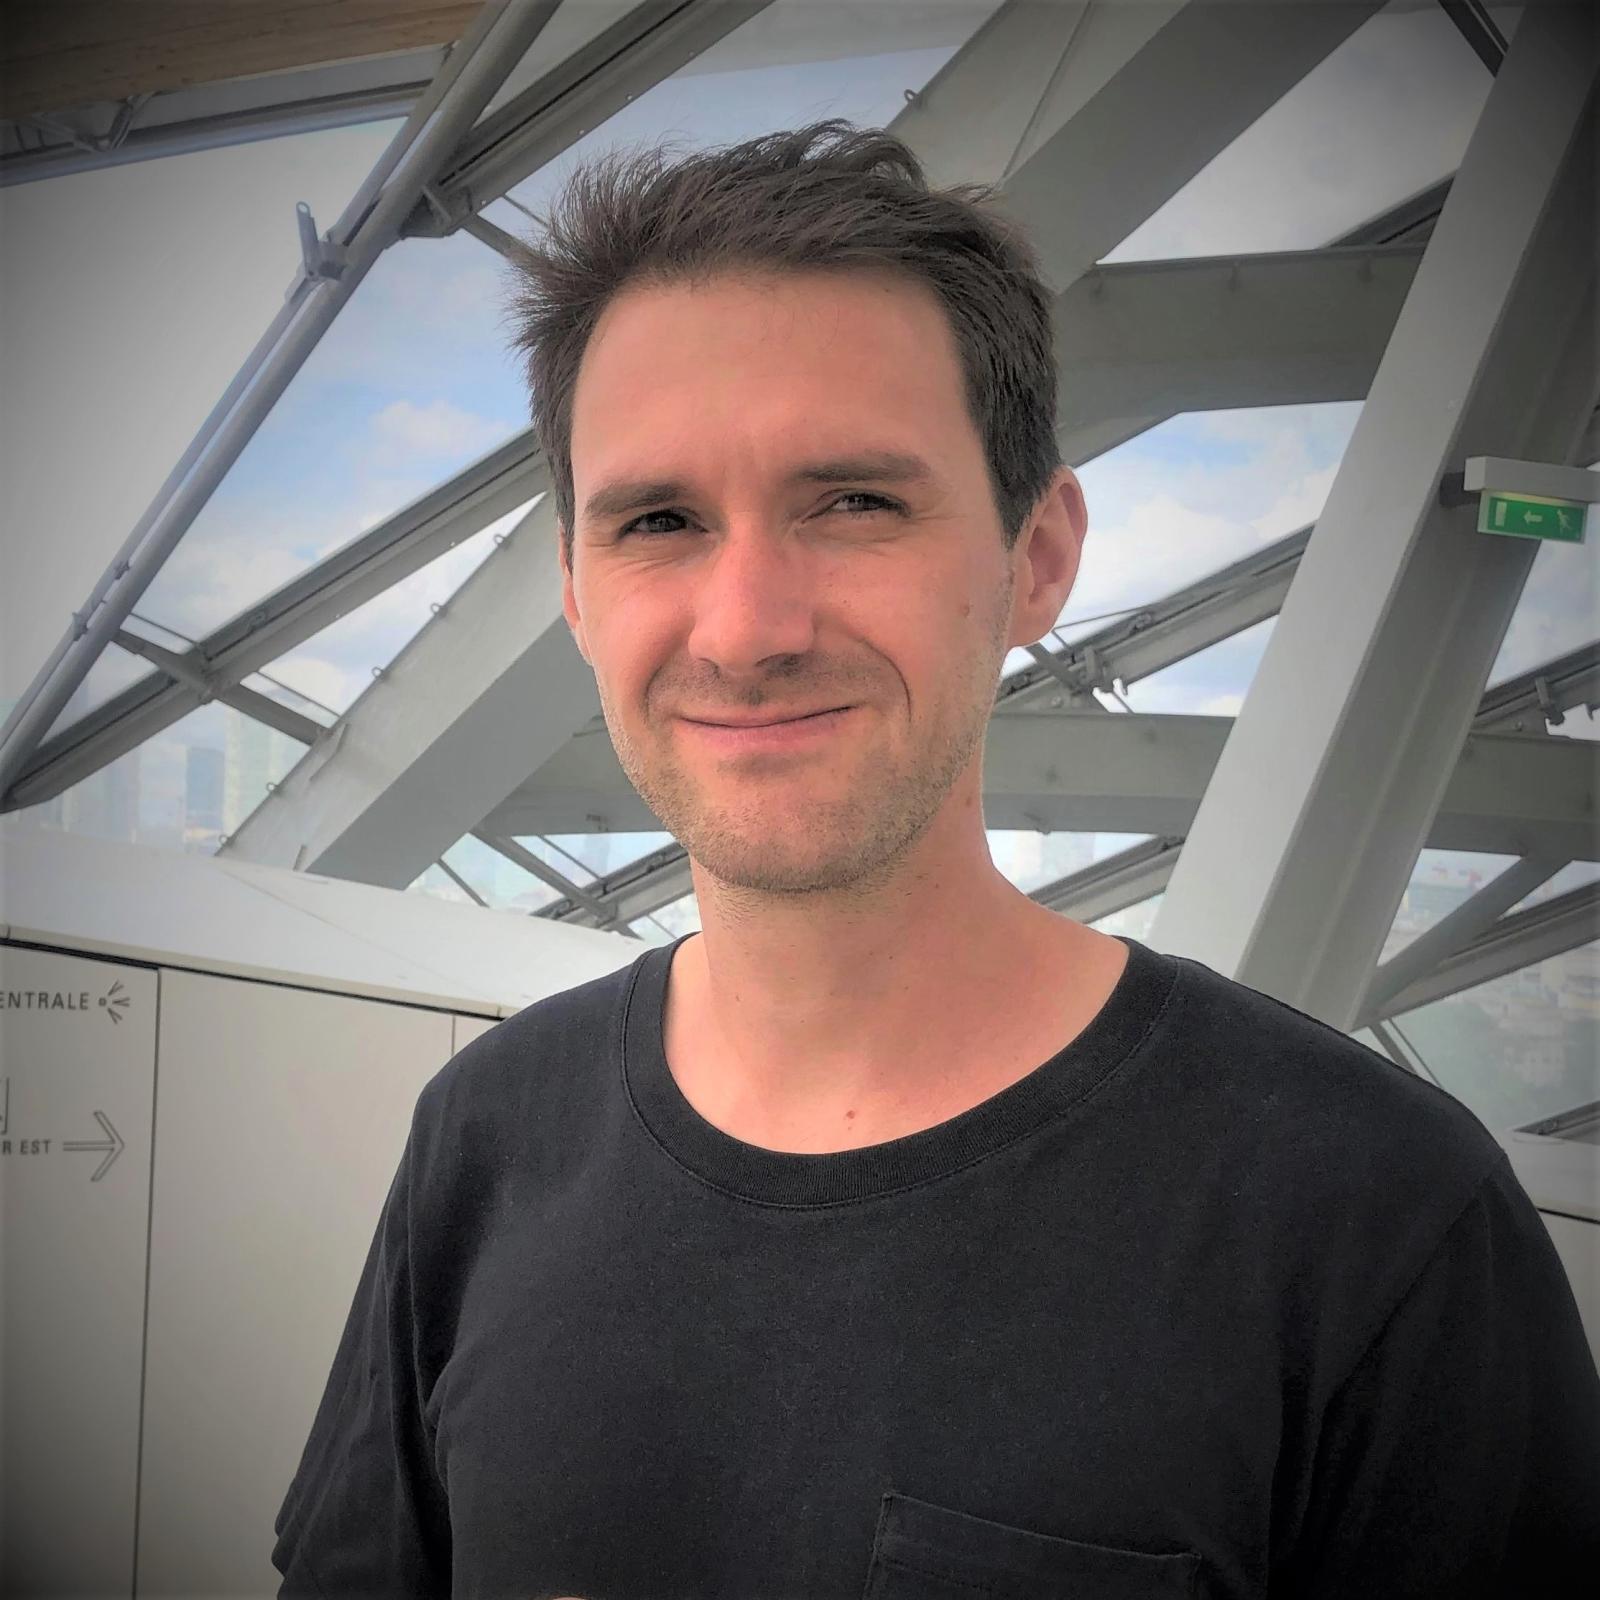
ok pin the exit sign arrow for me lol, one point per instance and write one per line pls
(1526, 499)
(1531, 516)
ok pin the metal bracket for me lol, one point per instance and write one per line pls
(320, 257)
(1553, 714)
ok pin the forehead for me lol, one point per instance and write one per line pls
(758, 355)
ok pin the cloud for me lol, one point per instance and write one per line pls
(404, 431)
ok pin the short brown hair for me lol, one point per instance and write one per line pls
(822, 196)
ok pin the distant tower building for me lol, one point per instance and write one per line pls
(256, 756)
(106, 803)
(202, 797)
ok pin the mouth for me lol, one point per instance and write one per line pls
(784, 733)
(765, 722)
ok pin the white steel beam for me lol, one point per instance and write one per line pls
(1514, 942)
(492, 685)
(1146, 338)
(1143, 115)
(1454, 933)
(1350, 741)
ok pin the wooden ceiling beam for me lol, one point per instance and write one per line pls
(56, 55)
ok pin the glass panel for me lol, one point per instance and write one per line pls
(411, 384)
(1522, 1047)
(1032, 860)
(603, 853)
(670, 922)
(1555, 613)
(335, 665)
(1132, 922)
(1211, 683)
(554, 853)
(1440, 881)
(182, 789)
(1572, 876)
(791, 63)
(133, 293)
(111, 673)
(1385, 115)
(500, 881)
(1193, 495)
(255, 758)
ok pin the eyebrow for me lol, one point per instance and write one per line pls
(622, 495)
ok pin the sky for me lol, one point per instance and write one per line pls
(130, 296)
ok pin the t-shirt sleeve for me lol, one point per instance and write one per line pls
(366, 1514)
(1461, 1457)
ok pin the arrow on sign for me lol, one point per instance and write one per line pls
(113, 1144)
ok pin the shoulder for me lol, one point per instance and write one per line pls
(538, 1060)
(1304, 1088)
(1348, 1170)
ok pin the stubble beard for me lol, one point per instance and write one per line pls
(850, 844)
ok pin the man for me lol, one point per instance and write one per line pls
(895, 1236)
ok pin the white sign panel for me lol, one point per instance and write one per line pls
(77, 1079)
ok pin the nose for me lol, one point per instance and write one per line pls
(754, 599)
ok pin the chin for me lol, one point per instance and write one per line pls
(776, 856)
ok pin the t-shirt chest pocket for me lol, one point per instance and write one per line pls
(926, 1552)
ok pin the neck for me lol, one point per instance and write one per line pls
(825, 1013)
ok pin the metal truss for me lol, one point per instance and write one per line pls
(534, 124)
(578, 93)
(1161, 634)
(212, 669)
(513, 473)
(438, 140)
(333, 266)
(1355, 723)
(141, 127)
(1508, 945)
(464, 172)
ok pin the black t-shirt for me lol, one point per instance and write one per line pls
(1215, 1302)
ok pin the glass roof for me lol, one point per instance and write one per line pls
(1522, 1047)
(1193, 495)
(792, 62)
(1384, 116)
(1556, 613)
(411, 383)
(1033, 860)
(414, 382)
(336, 664)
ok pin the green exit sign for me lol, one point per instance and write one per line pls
(1529, 516)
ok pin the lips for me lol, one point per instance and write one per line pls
(765, 722)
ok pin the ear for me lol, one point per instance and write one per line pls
(569, 598)
(1045, 558)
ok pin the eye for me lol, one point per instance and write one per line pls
(879, 502)
(648, 516)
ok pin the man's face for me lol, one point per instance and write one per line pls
(745, 548)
